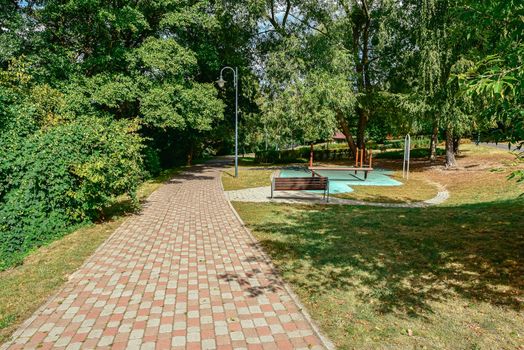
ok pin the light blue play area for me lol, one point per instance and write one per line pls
(340, 181)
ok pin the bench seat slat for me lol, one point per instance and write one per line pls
(299, 187)
(301, 179)
(311, 178)
(302, 182)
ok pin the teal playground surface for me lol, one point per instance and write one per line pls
(341, 181)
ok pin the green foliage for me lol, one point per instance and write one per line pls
(63, 176)
(152, 161)
(281, 157)
(303, 104)
(495, 75)
(300, 155)
(146, 69)
(164, 58)
(415, 153)
(95, 95)
(12, 22)
(494, 78)
(111, 90)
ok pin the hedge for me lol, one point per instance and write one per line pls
(55, 179)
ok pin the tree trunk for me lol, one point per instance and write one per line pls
(433, 144)
(190, 154)
(345, 130)
(451, 162)
(456, 145)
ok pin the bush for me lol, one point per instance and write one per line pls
(151, 161)
(299, 155)
(415, 153)
(420, 148)
(55, 179)
(416, 142)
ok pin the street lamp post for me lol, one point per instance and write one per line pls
(221, 82)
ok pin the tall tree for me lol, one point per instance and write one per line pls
(348, 31)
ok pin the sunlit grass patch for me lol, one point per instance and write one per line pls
(247, 178)
(415, 189)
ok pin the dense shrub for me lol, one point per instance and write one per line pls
(152, 164)
(281, 157)
(300, 155)
(57, 178)
(416, 142)
(415, 153)
(420, 149)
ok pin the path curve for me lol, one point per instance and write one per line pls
(262, 194)
(502, 146)
(185, 273)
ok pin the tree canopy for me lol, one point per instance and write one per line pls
(97, 95)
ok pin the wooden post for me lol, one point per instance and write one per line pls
(362, 158)
(370, 158)
(356, 158)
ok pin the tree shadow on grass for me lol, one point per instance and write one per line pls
(403, 259)
(405, 199)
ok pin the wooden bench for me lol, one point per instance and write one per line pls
(366, 170)
(301, 184)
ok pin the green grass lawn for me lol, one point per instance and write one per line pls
(247, 178)
(444, 277)
(481, 177)
(24, 288)
(377, 278)
(412, 190)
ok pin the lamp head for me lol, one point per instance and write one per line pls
(221, 82)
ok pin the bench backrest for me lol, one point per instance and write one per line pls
(300, 183)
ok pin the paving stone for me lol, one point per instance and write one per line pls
(182, 273)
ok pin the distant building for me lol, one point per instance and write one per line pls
(339, 137)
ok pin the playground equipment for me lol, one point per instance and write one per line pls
(405, 164)
(360, 158)
(344, 181)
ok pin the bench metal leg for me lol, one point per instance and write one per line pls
(365, 175)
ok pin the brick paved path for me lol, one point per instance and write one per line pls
(183, 274)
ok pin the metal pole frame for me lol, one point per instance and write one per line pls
(235, 83)
(407, 150)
